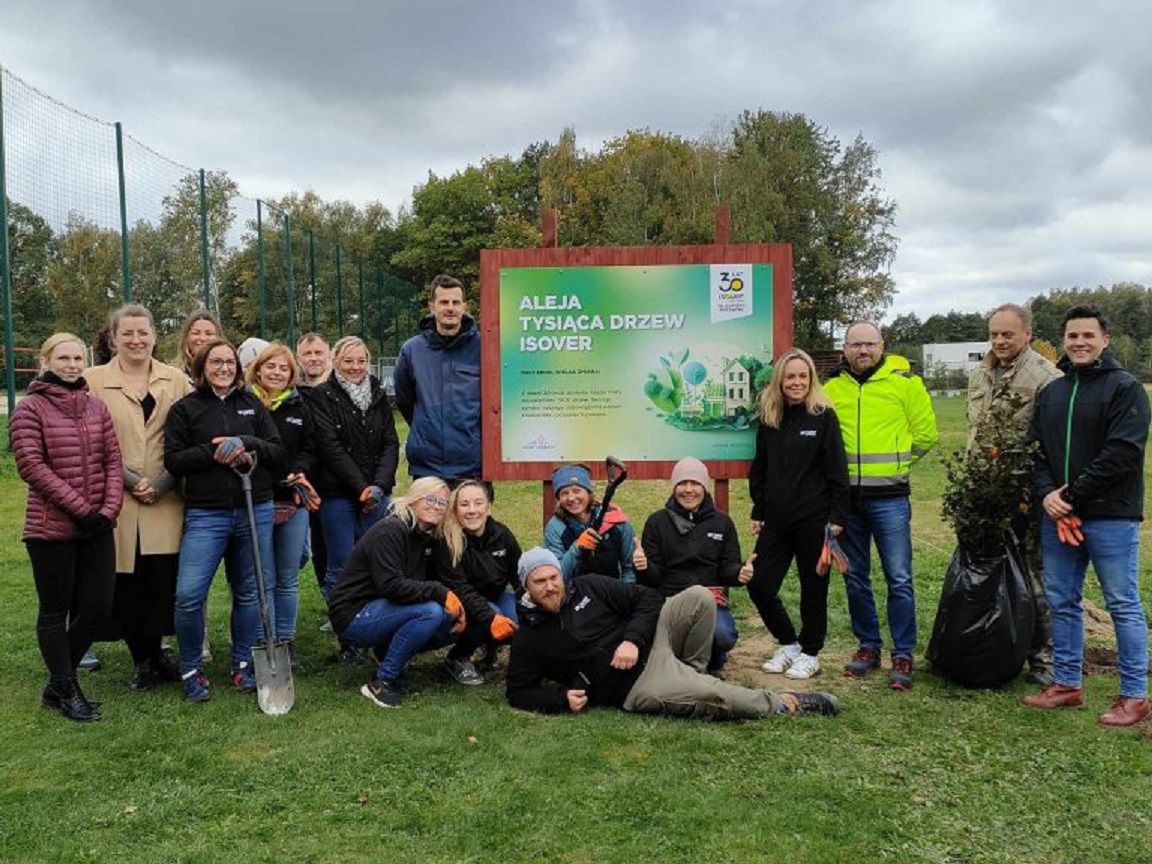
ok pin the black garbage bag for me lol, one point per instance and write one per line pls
(986, 616)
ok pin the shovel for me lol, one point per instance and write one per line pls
(617, 473)
(275, 692)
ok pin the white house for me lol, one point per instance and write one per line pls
(954, 356)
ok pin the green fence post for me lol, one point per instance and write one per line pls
(380, 309)
(260, 264)
(363, 323)
(312, 275)
(6, 269)
(204, 243)
(125, 264)
(339, 298)
(291, 286)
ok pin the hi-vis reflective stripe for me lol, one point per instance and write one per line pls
(883, 458)
(882, 482)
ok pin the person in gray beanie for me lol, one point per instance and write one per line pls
(597, 641)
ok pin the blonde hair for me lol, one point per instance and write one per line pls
(346, 344)
(451, 529)
(50, 344)
(401, 505)
(772, 399)
(272, 350)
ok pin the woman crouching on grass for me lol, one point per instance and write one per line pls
(481, 553)
(388, 598)
(569, 534)
(65, 448)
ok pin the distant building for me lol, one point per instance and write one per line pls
(954, 356)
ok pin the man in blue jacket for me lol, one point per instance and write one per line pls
(1092, 425)
(437, 381)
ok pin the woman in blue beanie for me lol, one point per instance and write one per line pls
(570, 537)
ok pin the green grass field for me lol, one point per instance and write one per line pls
(938, 774)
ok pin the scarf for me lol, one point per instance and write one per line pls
(360, 394)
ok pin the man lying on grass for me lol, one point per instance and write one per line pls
(599, 641)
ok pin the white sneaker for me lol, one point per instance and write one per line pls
(782, 659)
(804, 666)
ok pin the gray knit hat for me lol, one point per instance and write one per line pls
(535, 557)
(692, 469)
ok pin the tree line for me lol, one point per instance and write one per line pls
(360, 269)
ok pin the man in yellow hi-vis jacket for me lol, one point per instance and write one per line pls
(887, 423)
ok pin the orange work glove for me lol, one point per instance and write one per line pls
(1068, 530)
(720, 594)
(502, 628)
(455, 609)
(588, 541)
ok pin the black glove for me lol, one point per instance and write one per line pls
(94, 524)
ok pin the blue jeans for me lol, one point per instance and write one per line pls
(723, 637)
(1113, 547)
(344, 524)
(505, 605)
(209, 535)
(288, 542)
(888, 521)
(398, 632)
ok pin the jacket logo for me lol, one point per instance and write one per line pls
(714, 536)
(499, 553)
(584, 601)
(807, 433)
(294, 421)
(246, 412)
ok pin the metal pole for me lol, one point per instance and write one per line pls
(260, 264)
(360, 286)
(380, 309)
(125, 265)
(312, 275)
(6, 269)
(291, 285)
(339, 298)
(204, 243)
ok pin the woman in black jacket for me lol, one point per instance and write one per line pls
(218, 429)
(798, 483)
(360, 451)
(272, 377)
(388, 597)
(480, 553)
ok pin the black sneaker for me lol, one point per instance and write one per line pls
(862, 662)
(800, 702)
(350, 656)
(463, 671)
(142, 678)
(900, 678)
(382, 694)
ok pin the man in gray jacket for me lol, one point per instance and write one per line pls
(1012, 367)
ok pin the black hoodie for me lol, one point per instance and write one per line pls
(685, 549)
(1092, 426)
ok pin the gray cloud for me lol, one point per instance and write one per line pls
(1013, 135)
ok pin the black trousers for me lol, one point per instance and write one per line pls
(75, 583)
(775, 550)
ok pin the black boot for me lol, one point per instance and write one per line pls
(142, 676)
(69, 701)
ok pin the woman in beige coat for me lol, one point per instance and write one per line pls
(139, 391)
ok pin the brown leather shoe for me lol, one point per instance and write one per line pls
(1056, 696)
(1126, 711)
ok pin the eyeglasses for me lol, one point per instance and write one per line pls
(436, 501)
(868, 345)
(218, 363)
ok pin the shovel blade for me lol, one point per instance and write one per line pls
(275, 692)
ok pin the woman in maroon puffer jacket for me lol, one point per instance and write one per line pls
(65, 448)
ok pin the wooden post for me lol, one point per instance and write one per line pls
(549, 225)
(722, 236)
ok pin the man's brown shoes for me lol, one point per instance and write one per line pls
(1056, 696)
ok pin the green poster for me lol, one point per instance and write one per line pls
(643, 362)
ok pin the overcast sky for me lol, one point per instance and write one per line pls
(1012, 134)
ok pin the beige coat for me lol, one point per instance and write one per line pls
(1027, 375)
(158, 526)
